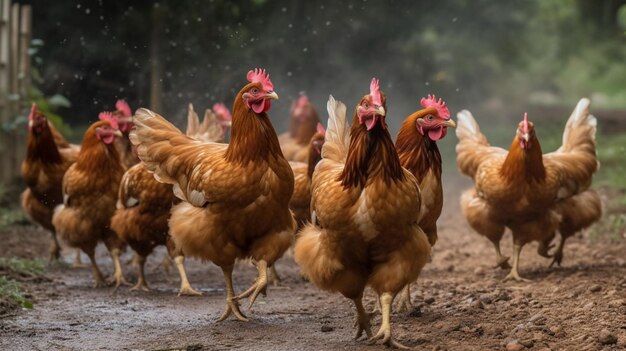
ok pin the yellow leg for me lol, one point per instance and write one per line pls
(274, 277)
(501, 261)
(232, 305)
(405, 299)
(118, 275)
(141, 281)
(77, 261)
(362, 322)
(384, 333)
(55, 249)
(514, 274)
(97, 274)
(259, 286)
(185, 287)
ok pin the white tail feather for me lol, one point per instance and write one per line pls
(337, 140)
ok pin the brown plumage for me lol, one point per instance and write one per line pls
(304, 120)
(43, 168)
(365, 205)
(90, 192)
(300, 202)
(419, 154)
(235, 196)
(144, 204)
(519, 189)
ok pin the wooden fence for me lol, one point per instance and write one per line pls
(15, 36)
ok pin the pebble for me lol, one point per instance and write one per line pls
(477, 304)
(514, 346)
(557, 330)
(327, 328)
(538, 319)
(486, 299)
(527, 343)
(429, 300)
(595, 288)
(606, 338)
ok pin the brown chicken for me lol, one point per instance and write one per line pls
(521, 189)
(418, 152)
(295, 146)
(43, 170)
(235, 196)
(365, 207)
(144, 204)
(123, 114)
(89, 195)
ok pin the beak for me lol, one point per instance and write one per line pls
(526, 137)
(449, 123)
(272, 95)
(31, 123)
(126, 119)
(117, 133)
(380, 111)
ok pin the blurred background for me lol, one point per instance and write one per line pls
(496, 58)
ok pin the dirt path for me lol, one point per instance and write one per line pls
(461, 303)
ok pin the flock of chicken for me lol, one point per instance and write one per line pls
(356, 209)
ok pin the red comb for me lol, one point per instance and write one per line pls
(439, 105)
(375, 92)
(108, 117)
(222, 111)
(302, 100)
(320, 129)
(260, 76)
(122, 106)
(33, 110)
(525, 125)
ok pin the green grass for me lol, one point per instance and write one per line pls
(11, 289)
(11, 216)
(21, 266)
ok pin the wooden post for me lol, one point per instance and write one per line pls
(5, 142)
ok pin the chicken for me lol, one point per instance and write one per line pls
(304, 124)
(89, 195)
(43, 170)
(123, 114)
(521, 189)
(144, 205)
(223, 116)
(300, 202)
(416, 144)
(577, 213)
(365, 207)
(235, 196)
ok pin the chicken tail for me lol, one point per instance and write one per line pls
(155, 137)
(473, 146)
(193, 121)
(580, 130)
(317, 261)
(337, 140)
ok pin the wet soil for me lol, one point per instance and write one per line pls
(460, 302)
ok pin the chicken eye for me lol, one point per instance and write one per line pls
(254, 91)
(366, 104)
(430, 117)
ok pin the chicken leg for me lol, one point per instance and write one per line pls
(118, 275)
(77, 261)
(501, 261)
(384, 333)
(259, 286)
(232, 304)
(362, 322)
(405, 304)
(274, 277)
(55, 249)
(97, 274)
(514, 274)
(557, 257)
(141, 281)
(185, 287)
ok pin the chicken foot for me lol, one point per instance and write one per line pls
(362, 322)
(501, 261)
(274, 277)
(232, 304)
(259, 285)
(514, 274)
(141, 280)
(405, 304)
(118, 275)
(185, 287)
(557, 256)
(384, 333)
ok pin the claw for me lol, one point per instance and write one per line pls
(140, 286)
(405, 305)
(274, 277)
(232, 307)
(187, 290)
(259, 286)
(362, 322)
(556, 258)
(503, 263)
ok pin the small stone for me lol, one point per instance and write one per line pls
(538, 319)
(588, 306)
(557, 330)
(429, 300)
(477, 304)
(327, 328)
(514, 346)
(479, 271)
(606, 338)
(486, 299)
(527, 343)
(595, 288)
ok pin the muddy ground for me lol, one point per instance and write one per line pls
(461, 303)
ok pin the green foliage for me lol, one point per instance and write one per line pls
(23, 266)
(11, 216)
(10, 289)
